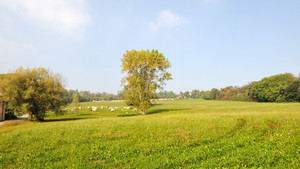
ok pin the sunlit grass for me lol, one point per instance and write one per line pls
(183, 133)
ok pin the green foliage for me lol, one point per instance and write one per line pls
(277, 88)
(87, 96)
(75, 102)
(166, 95)
(69, 96)
(272, 89)
(214, 94)
(179, 134)
(34, 91)
(146, 71)
(292, 92)
(196, 94)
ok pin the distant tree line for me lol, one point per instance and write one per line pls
(166, 95)
(87, 96)
(278, 88)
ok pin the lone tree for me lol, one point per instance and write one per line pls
(75, 102)
(34, 91)
(145, 72)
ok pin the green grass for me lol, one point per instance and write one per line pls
(175, 134)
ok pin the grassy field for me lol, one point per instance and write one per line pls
(174, 134)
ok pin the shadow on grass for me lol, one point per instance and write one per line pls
(156, 104)
(63, 119)
(129, 115)
(156, 111)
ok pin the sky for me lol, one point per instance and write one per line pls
(209, 43)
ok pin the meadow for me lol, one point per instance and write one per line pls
(173, 134)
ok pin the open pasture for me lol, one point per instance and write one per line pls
(174, 134)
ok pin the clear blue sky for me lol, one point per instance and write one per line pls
(210, 43)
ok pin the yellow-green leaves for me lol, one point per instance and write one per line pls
(34, 90)
(145, 72)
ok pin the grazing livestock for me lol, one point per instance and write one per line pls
(127, 108)
(94, 108)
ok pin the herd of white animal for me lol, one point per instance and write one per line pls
(112, 109)
(95, 108)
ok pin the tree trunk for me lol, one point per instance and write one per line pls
(30, 116)
(2, 111)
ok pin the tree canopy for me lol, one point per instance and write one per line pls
(273, 88)
(34, 91)
(277, 88)
(145, 72)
